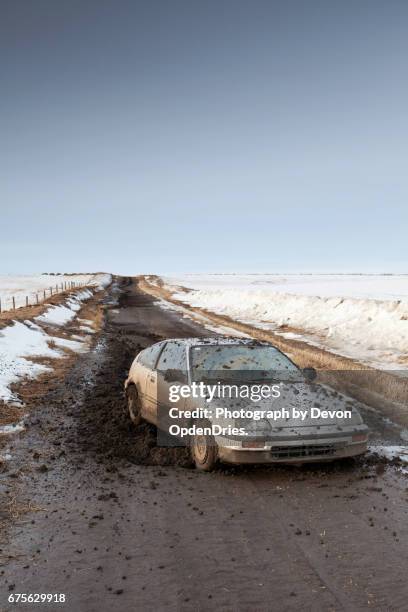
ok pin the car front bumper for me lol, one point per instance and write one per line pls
(300, 453)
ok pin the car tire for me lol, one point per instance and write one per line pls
(204, 451)
(133, 405)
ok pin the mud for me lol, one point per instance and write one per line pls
(104, 427)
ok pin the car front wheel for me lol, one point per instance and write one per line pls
(204, 452)
(133, 403)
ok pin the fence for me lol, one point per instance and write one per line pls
(37, 297)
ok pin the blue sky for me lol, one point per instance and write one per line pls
(214, 136)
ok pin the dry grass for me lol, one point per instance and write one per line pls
(10, 414)
(16, 509)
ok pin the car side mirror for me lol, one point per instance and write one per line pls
(310, 374)
(174, 375)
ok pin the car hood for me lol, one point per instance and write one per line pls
(299, 396)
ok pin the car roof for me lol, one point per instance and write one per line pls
(219, 341)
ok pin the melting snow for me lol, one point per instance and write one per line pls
(360, 316)
(14, 428)
(64, 313)
(391, 452)
(19, 342)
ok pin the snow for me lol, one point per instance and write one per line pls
(364, 317)
(22, 286)
(101, 281)
(19, 342)
(57, 315)
(391, 452)
(87, 329)
(365, 286)
(78, 346)
(64, 313)
(13, 428)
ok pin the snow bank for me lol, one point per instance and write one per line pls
(64, 313)
(19, 342)
(21, 286)
(362, 317)
(103, 280)
(363, 286)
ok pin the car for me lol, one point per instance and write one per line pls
(179, 386)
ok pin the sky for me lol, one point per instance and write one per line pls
(169, 136)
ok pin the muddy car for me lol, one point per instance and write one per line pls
(179, 386)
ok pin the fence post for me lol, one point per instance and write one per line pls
(14, 302)
(26, 300)
(51, 290)
(36, 298)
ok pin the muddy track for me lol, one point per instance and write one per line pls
(104, 427)
(114, 522)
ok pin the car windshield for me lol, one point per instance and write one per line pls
(242, 363)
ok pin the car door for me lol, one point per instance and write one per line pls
(147, 360)
(171, 370)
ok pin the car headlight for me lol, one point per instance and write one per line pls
(252, 427)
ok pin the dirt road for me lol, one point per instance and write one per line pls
(117, 523)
